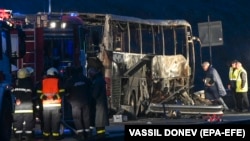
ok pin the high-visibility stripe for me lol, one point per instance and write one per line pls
(100, 131)
(51, 105)
(21, 90)
(18, 131)
(39, 91)
(46, 134)
(55, 134)
(51, 101)
(28, 132)
(57, 96)
(62, 90)
(23, 111)
(41, 97)
(79, 131)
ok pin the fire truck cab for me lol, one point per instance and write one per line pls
(12, 48)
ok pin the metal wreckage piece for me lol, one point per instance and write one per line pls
(173, 100)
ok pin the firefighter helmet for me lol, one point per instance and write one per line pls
(30, 70)
(22, 73)
(52, 71)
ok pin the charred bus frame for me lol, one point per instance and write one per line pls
(145, 60)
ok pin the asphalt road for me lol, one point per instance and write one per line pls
(115, 132)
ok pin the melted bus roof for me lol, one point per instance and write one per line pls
(113, 17)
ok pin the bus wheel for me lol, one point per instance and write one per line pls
(133, 104)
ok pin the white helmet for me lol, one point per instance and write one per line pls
(22, 73)
(30, 70)
(52, 71)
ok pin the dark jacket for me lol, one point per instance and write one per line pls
(78, 89)
(243, 76)
(216, 87)
(23, 90)
(100, 99)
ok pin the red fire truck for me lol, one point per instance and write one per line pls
(51, 40)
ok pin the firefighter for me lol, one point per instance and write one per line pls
(99, 101)
(50, 93)
(78, 89)
(23, 114)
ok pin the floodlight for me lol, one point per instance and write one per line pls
(52, 25)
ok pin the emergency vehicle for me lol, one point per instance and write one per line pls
(12, 48)
(149, 64)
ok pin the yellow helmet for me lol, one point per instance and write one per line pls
(22, 73)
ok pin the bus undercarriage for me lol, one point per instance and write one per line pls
(156, 92)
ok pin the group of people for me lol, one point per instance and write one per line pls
(86, 94)
(238, 86)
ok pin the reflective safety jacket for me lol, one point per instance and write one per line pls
(240, 85)
(50, 92)
(233, 74)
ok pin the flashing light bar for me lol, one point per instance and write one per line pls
(73, 14)
(5, 14)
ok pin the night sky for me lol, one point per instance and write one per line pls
(234, 15)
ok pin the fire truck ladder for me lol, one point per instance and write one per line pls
(30, 58)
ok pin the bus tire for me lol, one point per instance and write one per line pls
(133, 104)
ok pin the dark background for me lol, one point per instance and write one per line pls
(234, 15)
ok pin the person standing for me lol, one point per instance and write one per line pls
(242, 88)
(232, 82)
(78, 89)
(214, 89)
(99, 101)
(50, 93)
(23, 113)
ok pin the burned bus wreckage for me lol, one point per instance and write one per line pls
(148, 64)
